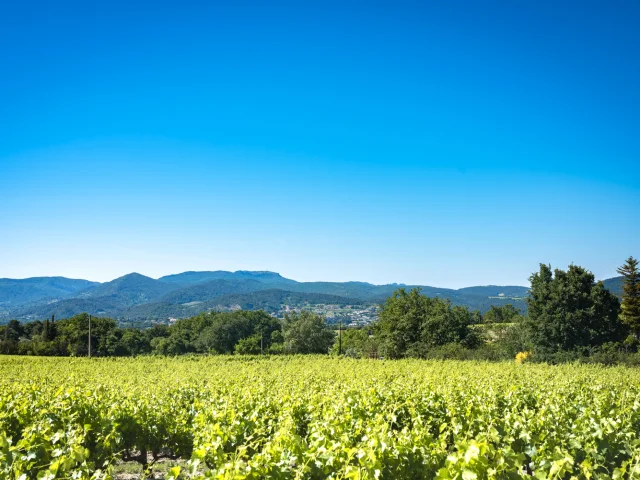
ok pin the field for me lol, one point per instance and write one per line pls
(315, 417)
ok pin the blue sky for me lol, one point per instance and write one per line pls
(439, 143)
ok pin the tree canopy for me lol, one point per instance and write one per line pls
(410, 324)
(502, 314)
(570, 310)
(306, 332)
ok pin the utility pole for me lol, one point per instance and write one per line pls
(89, 336)
(340, 338)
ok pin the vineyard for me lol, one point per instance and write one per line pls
(315, 417)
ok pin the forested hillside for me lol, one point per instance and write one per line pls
(16, 292)
(136, 296)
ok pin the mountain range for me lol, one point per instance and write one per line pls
(137, 297)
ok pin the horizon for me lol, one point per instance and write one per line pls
(400, 284)
(440, 144)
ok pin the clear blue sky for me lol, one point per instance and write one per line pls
(446, 144)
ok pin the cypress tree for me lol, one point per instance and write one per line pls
(631, 294)
(45, 331)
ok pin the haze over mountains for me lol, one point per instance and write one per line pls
(136, 296)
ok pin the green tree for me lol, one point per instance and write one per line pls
(72, 335)
(173, 345)
(306, 332)
(502, 314)
(130, 341)
(46, 333)
(32, 329)
(356, 342)
(631, 295)
(511, 338)
(8, 345)
(225, 330)
(569, 310)
(410, 324)
(13, 331)
(249, 345)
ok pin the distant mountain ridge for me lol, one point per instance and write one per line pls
(132, 289)
(191, 278)
(18, 291)
(268, 299)
(614, 285)
(189, 293)
(213, 288)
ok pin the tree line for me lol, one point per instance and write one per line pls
(241, 332)
(570, 317)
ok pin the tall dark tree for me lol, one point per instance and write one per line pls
(11, 334)
(13, 331)
(46, 336)
(569, 310)
(631, 295)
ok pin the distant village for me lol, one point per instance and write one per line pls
(351, 315)
(354, 316)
